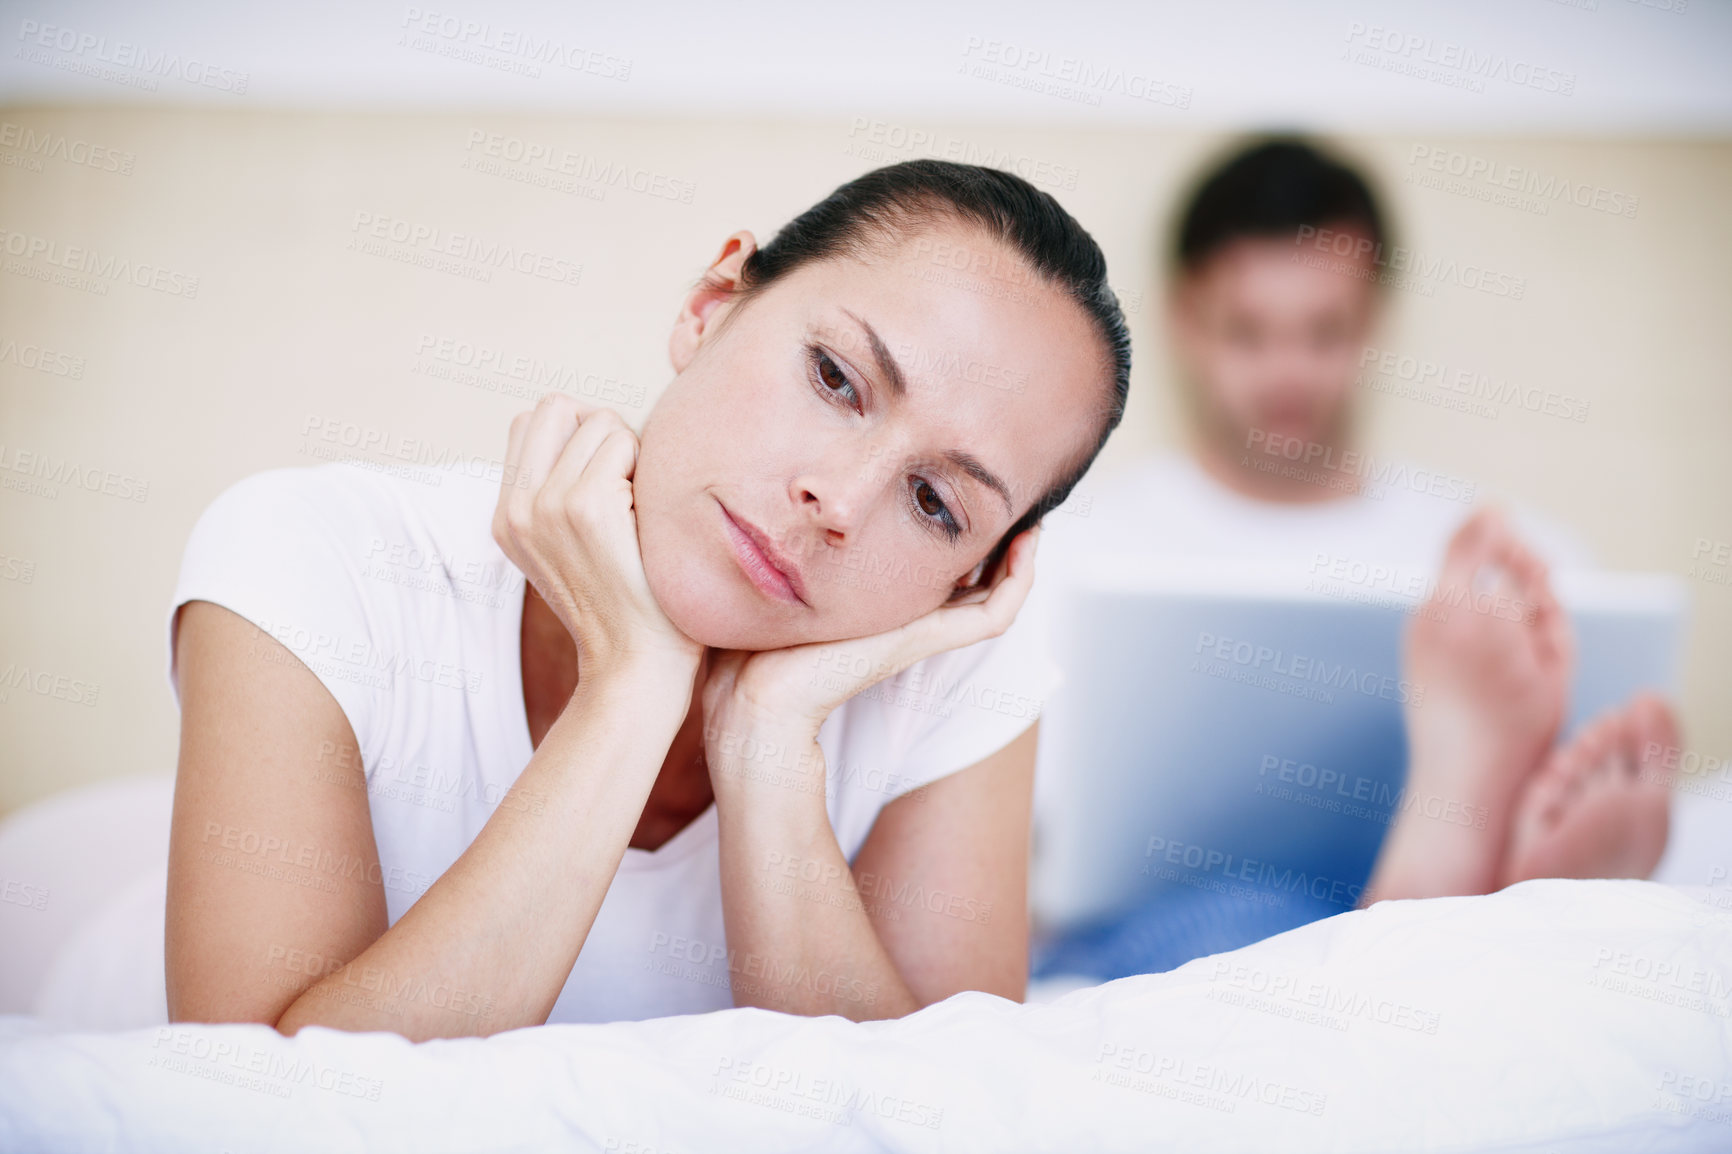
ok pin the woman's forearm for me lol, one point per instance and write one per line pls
(799, 937)
(490, 944)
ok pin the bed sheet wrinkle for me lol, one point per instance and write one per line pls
(1535, 1047)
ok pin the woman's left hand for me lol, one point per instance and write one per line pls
(779, 698)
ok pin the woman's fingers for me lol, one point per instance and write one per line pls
(954, 626)
(589, 487)
(574, 457)
(551, 425)
(540, 440)
(567, 524)
(514, 439)
(1012, 587)
(615, 459)
(510, 479)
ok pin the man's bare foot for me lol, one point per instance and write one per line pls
(1488, 658)
(1600, 806)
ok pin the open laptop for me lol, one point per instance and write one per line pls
(1240, 731)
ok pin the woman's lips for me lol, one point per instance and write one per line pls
(771, 570)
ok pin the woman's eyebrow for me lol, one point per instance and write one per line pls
(971, 465)
(888, 367)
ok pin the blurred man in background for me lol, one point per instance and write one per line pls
(1271, 331)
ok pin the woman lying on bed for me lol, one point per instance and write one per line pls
(757, 730)
(647, 764)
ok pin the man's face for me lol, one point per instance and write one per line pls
(1270, 343)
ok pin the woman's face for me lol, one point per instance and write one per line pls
(852, 443)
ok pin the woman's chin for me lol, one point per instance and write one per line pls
(724, 632)
(721, 622)
(711, 618)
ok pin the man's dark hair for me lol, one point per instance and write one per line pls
(1270, 189)
(892, 201)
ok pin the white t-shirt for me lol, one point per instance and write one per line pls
(1167, 508)
(393, 592)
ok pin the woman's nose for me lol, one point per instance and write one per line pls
(828, 509)
(835, 496)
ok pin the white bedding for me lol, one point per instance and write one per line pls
(1579, 1016)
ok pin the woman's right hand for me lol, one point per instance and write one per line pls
(565, 518)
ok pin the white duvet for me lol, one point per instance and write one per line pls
(1579, 1016)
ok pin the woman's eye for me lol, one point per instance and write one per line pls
(931, 505)
(927, 498)
(829, 373)
(831, 376)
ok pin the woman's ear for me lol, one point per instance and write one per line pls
(699, 312)
(971, 581)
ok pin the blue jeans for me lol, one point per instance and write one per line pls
(1179, 925)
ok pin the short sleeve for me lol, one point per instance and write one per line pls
(282, 549)
(972, 702)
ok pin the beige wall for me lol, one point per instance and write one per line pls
(189, 392)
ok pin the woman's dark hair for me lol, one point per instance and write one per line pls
(1270, 189)
(892, 201)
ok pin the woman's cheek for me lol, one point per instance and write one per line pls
(897, 593)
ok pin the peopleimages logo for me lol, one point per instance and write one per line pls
(359, 444)
(43, 360)
(1334, 792)
(1399, 265)
(475, 256)
(89, 49)
(826, 1099)
(1213, 1087)
(879, 140)
(1419, 51)
(581, 167)
(94, 263)
(46, 683)
(1545, 188)
(46, 473)
(514, 373)
(1263, 875)
(1419, 585)
(71, 150)
(1374, 472)
(1067, 77)
(449, 35)
(1263, 659)
(1425, 373)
